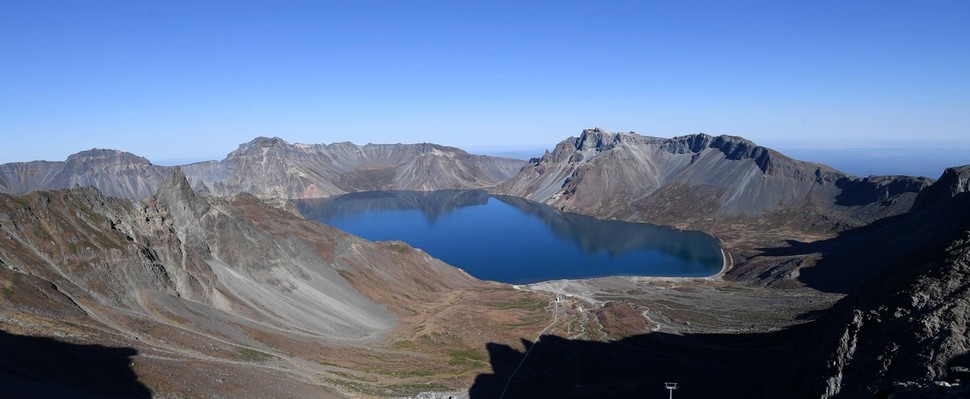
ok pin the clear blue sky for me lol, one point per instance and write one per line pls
(186, 80)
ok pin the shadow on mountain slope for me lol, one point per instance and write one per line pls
(855, 256)
(704, 365)
(905, 324)
(37, 367)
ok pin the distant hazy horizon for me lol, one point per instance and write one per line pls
(192, 80)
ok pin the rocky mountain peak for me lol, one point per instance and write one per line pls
(260, 145)
(101, 154)
(176, 194)
(426, 148)
(695, 142)
(269, 141)
(734, 148)
(954, 181)
(115, 173)
(594, 139)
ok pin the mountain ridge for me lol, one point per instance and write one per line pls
(114, 172)
(270, 168)
(700, 179)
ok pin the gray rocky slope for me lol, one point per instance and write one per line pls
(178, 246)
(904, 333)
(202, 281)
(690, 181)
(271, 167)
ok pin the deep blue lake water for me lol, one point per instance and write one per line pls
(517, 241)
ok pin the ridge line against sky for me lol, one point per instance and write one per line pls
(183, 80)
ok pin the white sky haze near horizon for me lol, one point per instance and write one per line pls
(191, 81)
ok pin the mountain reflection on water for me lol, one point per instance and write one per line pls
(517, 241)
(432, 203)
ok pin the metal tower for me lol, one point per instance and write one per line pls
(671, 386)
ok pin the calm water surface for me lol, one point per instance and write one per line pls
(517, 241)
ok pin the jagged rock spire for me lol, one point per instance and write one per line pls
(185, 208)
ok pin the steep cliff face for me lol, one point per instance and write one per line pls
(917, 334)
(115, 173)
(271, 167)
(907, 329)
(695, 179)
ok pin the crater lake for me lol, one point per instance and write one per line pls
(512, 240)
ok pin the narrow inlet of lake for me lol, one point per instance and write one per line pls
(515, 241)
